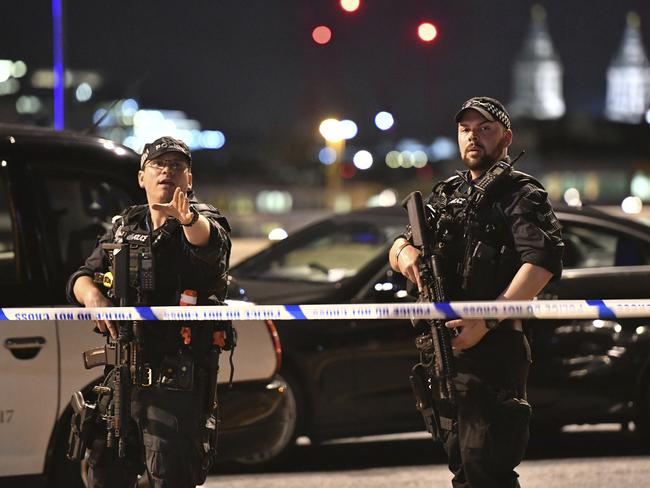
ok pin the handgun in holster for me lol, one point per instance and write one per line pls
(81, 426)
(420, 383)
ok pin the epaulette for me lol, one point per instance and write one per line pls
(129, 214)
(521, 179)
(446, 186)
(211, 212)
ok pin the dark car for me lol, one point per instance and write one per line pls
(58, 192)
(350, 378)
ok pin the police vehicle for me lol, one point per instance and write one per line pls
(58, 192)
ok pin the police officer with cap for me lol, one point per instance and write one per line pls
(190, 245)
(514, 249)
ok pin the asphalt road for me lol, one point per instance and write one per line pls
(570, 460)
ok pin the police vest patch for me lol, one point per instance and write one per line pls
(141, 238)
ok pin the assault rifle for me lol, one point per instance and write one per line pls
(435, 371)
(432, 378)
(123, 354)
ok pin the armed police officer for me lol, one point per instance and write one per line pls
(175, 245)
(508, 247)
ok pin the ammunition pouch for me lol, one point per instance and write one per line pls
(488, 269)
(177, 372)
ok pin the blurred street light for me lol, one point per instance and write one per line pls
(384, 120)
(632, 205)
(362, 160)
(327, 155)
(572, 197)
(348, 129)
(350, 5)
(321, 34)
(427, 31)
(333, 132)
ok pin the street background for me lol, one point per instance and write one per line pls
(583, 459)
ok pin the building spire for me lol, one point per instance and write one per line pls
(628, 77)
(537, 74)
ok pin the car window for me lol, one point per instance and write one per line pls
(7, 250)
(590, 247)
(77, 211)
(328, 254)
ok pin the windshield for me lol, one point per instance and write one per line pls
(323, 253)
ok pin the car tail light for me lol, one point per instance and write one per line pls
(276, 342)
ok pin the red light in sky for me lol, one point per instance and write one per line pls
(321, 34)
(427, 31)
(350, 5)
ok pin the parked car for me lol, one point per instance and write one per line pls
(58, 190)
(350, 377)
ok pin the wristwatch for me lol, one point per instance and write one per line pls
(195, 217)
(492, 324)
(401, 248)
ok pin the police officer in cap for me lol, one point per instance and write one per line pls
(515, 249)
(190, 245)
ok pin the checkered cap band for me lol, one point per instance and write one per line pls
(164, 145)
(487, 106)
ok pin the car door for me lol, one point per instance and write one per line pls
(29, 359)
(583, 367)
(74, 207)
(384, 355)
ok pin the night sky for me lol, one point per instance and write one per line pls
(250, 66)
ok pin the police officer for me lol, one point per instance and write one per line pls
(511, 251)
(191, 248)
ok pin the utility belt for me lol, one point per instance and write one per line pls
(176, 372)
(195, 364)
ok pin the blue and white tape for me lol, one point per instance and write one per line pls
(539, 309)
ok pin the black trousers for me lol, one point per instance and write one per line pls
(490, 432)
(166, 430)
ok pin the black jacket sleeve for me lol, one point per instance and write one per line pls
(95, 263)
(536, 230)
(218, 248)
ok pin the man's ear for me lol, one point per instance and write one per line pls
(189, 182)
(507, 138)
(141, 178)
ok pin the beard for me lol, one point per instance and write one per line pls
(487, 159)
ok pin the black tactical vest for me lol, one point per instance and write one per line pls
(478, 252)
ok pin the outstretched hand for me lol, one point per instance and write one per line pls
(178, 208)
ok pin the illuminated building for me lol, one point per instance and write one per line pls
(537, 74)
(628, 77)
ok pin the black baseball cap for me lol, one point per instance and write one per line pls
(490, 108)
(164, 145)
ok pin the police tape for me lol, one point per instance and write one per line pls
(536, 309)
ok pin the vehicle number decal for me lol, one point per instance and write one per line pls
(6, 416)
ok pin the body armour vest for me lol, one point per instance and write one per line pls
(168, 274)
(476, 244)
